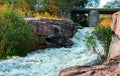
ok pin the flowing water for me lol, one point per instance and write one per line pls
(50, 61)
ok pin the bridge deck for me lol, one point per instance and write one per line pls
(100, 10)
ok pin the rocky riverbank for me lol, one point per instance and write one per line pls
(54, 33)
(50, 61)
(111, 67)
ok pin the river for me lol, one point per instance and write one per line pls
(50, 61)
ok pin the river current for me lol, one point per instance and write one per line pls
(50, 61)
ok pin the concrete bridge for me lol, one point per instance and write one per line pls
(93, 14)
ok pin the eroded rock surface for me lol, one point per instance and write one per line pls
(109, 68)
(56, 32)
(115, 26)
(114, 49)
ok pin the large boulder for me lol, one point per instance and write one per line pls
(114, 49)
(56, 32)
(115, 26)
(109, 68)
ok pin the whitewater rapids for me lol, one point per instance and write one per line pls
(50, 61)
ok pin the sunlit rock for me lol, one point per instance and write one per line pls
(114, 49)
(109, 68)
(115, 26)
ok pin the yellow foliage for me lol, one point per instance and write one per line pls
(20, 12)
(37, 15)
(46, 14)
(2, 8)
(106, 22)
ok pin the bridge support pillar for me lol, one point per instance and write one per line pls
(93, 18)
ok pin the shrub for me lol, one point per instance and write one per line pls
(15, 34)
(91, 44)
(38, 42)
(104, 34)
(46, 14)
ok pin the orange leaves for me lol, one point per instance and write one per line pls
(106, 22)
(2, 8)
(45, 14)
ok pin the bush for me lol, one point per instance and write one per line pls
(104, 34)
(15, 34)
(91, 44)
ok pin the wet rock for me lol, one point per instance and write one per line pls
(57, 32)
(109, 68)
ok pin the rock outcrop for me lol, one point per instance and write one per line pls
(56, 32)
(115, 26)
(109, 68)
(114, 49)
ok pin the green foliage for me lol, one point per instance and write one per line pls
(113, 4)
(15, 34)
(91, 44)
(93, 3)
(46, 14)
(91, 40)
(59, 8)
(104, 34)
(42, 40)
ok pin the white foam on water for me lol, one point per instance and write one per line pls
(50, 61)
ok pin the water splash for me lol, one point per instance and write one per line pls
(50, 61)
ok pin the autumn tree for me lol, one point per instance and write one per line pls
(64, 6)
(22, 6)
